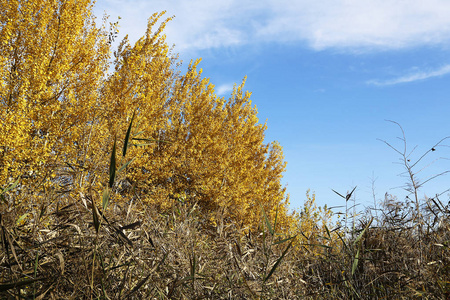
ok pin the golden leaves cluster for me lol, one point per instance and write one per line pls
(53, 59)
(62, 105)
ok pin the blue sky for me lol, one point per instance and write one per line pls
(325, 75)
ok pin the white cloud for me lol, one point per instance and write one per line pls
(340, 24)
(364, 24)
(224, 89)
(422, 75)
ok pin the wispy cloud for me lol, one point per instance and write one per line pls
(340, 24)
(421, 75)
(224, 89)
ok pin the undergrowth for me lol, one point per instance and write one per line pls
(82, 246)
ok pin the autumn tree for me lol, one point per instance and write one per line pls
(52, 62)
(63, 107)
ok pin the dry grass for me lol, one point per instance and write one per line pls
(142, 254)
(386, 258)
(135, 255)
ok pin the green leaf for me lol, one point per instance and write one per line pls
(346, 197)
(193, 263)
(269, 226)
(105, 198)
(149, 140)
(349, 195)
(142, 145)
(278, 262)
(21, 218)
(338, 193)
(10, 187)
(343, 242)
(319, 245)
(362, 232)
(355, 262)
(127, 136)
(112, 166)
(276, 218)
(328, 232)
(285, 240)
(125, 165)
(138, 133)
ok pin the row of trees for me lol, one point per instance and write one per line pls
(63, 104)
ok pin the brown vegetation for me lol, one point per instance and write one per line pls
(142, 254)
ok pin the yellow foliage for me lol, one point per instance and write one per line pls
(53, 59)
(61, 111)
(315, 225)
